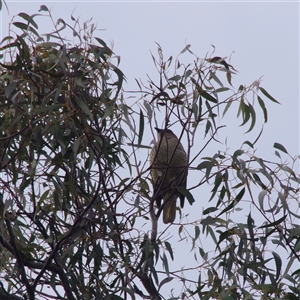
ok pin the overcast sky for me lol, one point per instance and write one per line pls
(262, 39)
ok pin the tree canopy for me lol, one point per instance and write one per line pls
(78, 219)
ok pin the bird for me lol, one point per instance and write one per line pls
(168, 170)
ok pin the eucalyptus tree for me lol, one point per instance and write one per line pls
(78, 216)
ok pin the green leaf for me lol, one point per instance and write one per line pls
(100, 41)
(141, 130)
(186, 194)
(127, 290)
(241, 107)
(8, 204)
(212, 234)
(253, 117)
(165, 264)
(250, 224)
(283, 201)
(28, 18)
(266, 288)
(259, 182)
(227, 107)
(261, 197)
(216, 79)
(10, 88)
(249, 144)
(268, 95)
(185, 48)
(149, 110)
(208, 165)
(203, 93)
(197, 232)
(228, 76)
(222, 89)
(175, 78)
(43, 8)
(278, 263)
(245, 113)
(30, 28)
(84, 107)
(188, 74)
(208, 126)
(220, 60)
(237, 153)
(204, 165)
(20, 25)
(209, 210)
(234, 202)
(121, 78)
(44, 197)
(294, 289)
(195, 110)
(208, 97)
(257, 138)
(116, 297)
(202, 253)
(164, 281)
(280, 147)
(218, 181)
(277, 222)
(277, 154)
(263, 107)
(169, 248)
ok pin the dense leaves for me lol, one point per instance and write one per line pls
(75, 193)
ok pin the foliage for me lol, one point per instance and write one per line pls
(76, 197)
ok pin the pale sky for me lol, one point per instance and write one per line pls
(262, 39)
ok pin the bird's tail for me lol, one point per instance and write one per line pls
(169, 212)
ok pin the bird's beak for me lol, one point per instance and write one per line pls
(158, 129)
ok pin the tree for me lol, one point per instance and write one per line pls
(76, 194)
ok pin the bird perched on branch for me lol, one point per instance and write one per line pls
(169, 168)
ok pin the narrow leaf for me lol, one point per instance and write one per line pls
(222, 89)
(10, 88)
(141, 131)
(261, 197)
(208, 97)
(20, 25)
(169, 248)
(280, 147)
(43, 8)
(165, 264)
(253, 117)
(209, 210)
(186, 194)
(278, 263)
(197, 232)
(188, 74)
(164, 281)
(185, 48)
(234, 202)
(227, 107)
(268, 95)
(84, 107)
(175, 78)
(29, 19)
(277, 222)
(263, 107)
